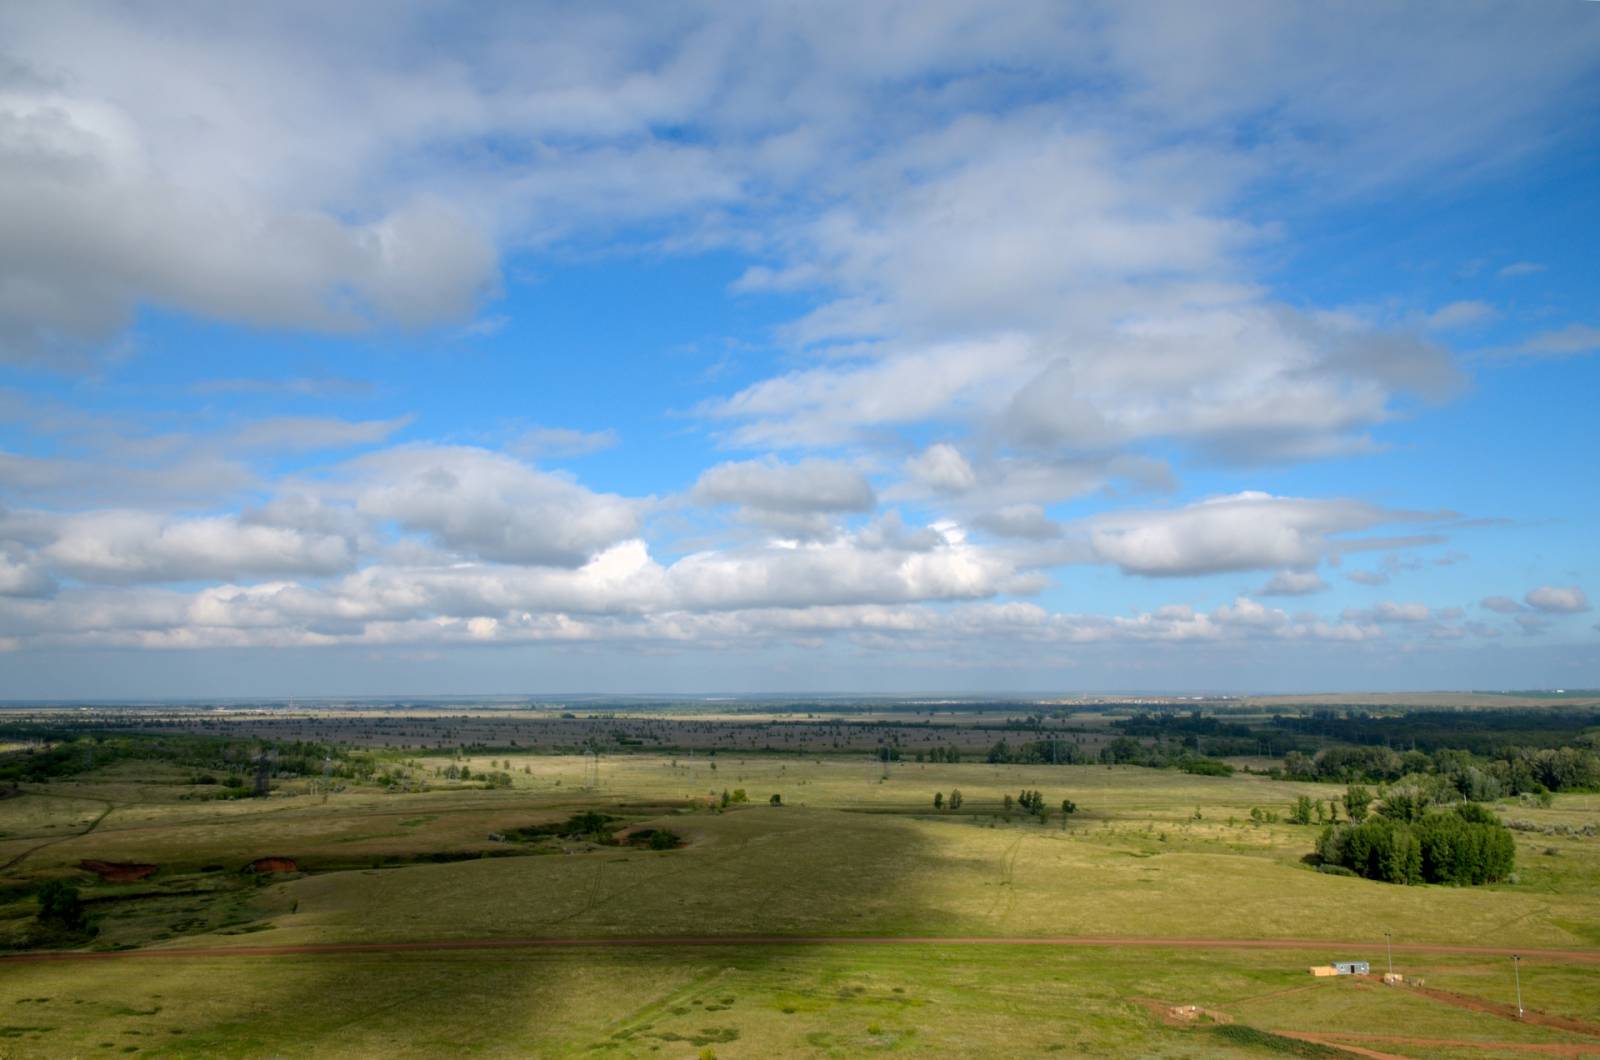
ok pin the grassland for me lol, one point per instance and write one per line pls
(855, 849)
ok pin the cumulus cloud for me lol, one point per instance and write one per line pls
(133, 546)
(942, 467)
(1389, 611)
(1502, 604)
(1243, 531)
(95, 225)
(1294, 583)
(487, 504)
(1019, 520)
(19, 577)
(771, 485)
(1557, 600)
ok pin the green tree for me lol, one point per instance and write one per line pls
(955, 798)
(1356, 801)
(60, 908)
(938, 800)
(1300, 812)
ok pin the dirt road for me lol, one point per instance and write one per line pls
(1318, 945)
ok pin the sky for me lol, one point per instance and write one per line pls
(722, 347)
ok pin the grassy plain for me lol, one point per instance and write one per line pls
(851, 852)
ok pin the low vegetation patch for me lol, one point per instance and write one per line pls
(1241, 1036)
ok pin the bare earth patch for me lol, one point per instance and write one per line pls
(118, 871)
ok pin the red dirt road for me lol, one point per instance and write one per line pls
(1553, 956)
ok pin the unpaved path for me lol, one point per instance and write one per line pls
(60, 839)
(1341, 1040)
(1505, 1011)
(621, 941)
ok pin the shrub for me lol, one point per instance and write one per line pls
(60, 906)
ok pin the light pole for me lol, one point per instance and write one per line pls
(1388, 942)
(1516, 966)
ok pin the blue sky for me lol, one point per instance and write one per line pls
(903, 347)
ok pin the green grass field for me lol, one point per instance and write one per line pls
(851, 852)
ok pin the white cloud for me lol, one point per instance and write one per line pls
(1557, 600)
(1294, 583)
(487, 505)
(1244, 531)
(310, 433)
(1460, 315)
(1561, 342)
(1020, 520)
(19, 577)
(942, 467)
(770, 485)
(1521, 268)
(1502, 604)
(1389, 611)
(132, 546)
(561, 441)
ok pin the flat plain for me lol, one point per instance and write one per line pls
(851, 917)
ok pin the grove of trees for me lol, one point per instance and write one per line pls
(1465, 844)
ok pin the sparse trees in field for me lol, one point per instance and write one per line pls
(938, 800)
(1300, 811)
(1068, 807)
(1032, 802)
(955, 799)
(776, 800)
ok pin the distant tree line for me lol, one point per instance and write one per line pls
(1511, 771)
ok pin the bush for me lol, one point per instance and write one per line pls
(60, 908)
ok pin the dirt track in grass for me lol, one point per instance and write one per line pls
(555, 942)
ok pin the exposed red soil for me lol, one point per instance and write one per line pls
(118, 871)
(1505, 1011)
(547, 942)
(1343, 1040)
(266, 865)
(1181, 1015)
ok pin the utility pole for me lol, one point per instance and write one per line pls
(1388, 941)
(1516, 966)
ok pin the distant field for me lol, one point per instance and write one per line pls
(1496, 700)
